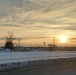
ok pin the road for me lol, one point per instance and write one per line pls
(47, 70)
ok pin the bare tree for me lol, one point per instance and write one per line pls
(9, 38)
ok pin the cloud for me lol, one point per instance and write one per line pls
(46, 5)
(12, 25)
(55, 14)
(11, 3)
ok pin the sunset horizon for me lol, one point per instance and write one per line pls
(38, 21)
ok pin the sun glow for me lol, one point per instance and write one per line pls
(63, 39)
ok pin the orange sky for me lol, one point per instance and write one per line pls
(38, 18)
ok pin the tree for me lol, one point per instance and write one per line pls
(9, 44)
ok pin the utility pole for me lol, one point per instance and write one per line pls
(19, 43)
(44, 44)
(54, 41)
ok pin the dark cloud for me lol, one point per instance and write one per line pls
(12, 25)
(73, 39)
(10, 3)
(29, 5)
(47, 5)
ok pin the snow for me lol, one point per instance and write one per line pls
(6, 50)
(6, 57)
(16, 60)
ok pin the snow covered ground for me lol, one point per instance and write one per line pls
(6, 57)
(16, 60)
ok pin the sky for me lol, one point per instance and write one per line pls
(39, 20)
